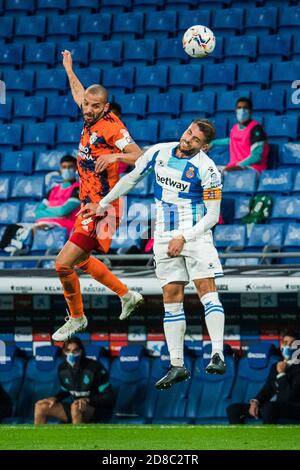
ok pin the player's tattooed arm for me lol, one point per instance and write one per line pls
(77, 88)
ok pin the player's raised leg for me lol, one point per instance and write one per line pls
(174, 328)
(214, 318)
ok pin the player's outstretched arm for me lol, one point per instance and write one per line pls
(77, 88)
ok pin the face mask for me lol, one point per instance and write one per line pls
(73, 359)
(286, 352)
(68, 173)
(242, 115)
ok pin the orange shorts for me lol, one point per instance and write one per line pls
(96, 233)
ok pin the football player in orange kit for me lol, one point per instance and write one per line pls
(104, 142)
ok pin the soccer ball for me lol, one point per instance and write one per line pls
(198, 41)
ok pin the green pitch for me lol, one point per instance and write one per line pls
(144, 437)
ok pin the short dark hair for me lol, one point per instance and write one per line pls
(289, 332)
(115, 108)
(207, 128)
(77, 341)
(68, 158)
(246, 100)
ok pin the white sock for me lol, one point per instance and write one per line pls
(214, 318)
(174, 328)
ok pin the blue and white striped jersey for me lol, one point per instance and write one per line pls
(181, 186)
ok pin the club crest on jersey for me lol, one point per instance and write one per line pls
(190, 172)
(93, 138)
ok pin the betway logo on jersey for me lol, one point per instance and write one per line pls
(169, 183)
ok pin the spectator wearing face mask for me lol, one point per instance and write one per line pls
(86, 394)
(279, 398)
(247, 142)
(62, 203)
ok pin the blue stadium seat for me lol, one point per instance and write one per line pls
(69, 133)
(19, 82)
(4, 187)
(48, 161)
(160, 24)
(30, 29)
(17, 162)
(28, 187)
(291, 243)
(40, 381)
(240, 48)
(277, 181)
(289, 154)
(253, 75)
(89, 76)
(28, 212)
(252, 372)
(273, 46)
(39, 136)
(266, 237)
(169, 406)
(292, 99)
(228, 22)
(138, 207)
(209, 395)
(151, 78)
(95, 27)
(172, 129)
(145, 132)
(11, 55)
(281, 128)
(164, 104)
(50, 82)
(129, 375)
(107, 55)
(51, 7)
(39, 55)
(83, 6)
(268, 102)
(198, 104)
(9, 213)
(199, 16)
(128, 25)
(52, 179)
(296, 48)
(170, 52)
(241, 207)
(226, 101)
(17, 8)
(79, 51)
(118, 79)
(284, 73)
(185, 77)
(243, 182)
(220, 153)
(115, 5)
(296, 187)
(12, 373)
(122, 241)
(289, 20)
(133, 104)
(50, 241)
(147, 5)
(227, 237)
(6, 28)
(139, 51)
(6, 111)
(62, 108)
(261, 21)
(31, 109)
(286, 207)
(10, 136)
(218, 76)
(62, 28)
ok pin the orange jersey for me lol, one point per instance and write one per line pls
(108, 135)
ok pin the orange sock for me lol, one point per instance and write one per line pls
(71, 287)
(101, 273)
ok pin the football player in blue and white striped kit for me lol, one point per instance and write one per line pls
(187, 191)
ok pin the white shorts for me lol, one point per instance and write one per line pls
(198, 260)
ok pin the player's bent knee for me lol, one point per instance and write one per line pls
(63, 270)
